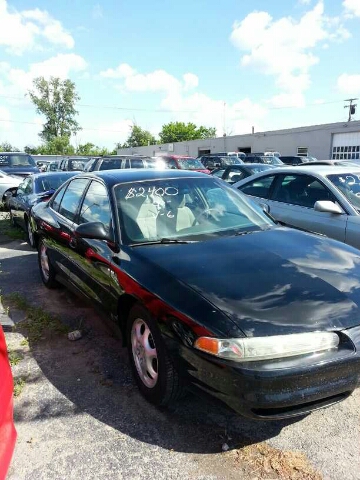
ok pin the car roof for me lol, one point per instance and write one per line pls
(313, 169)
(112, 177)
(52, 174)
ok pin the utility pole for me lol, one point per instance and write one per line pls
(351, 106)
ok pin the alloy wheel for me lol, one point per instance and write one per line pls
(144, 353)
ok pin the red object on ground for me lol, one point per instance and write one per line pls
(7, 428)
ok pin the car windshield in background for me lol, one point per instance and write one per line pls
(190, 164)
(349, 185)
(50, 182)
(77, 164)
(230, 160)
(184, 209)
(272, 160)
(14, 160)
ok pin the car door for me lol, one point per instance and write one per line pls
(21, 200)
(91, 258)
(59, 230)
(292, 202)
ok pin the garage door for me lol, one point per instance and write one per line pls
(346, 146)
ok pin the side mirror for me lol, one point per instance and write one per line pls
(326, 206)
(93, 230)
(10, 193)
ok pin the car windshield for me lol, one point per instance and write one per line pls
(77, 164)
(349, 185)
(231, 160)
(13, 160)
(190, 164)
(45, 183)
(185, 209)
(272, 160)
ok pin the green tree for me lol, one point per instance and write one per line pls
(7, 147)
(138, 138)
(56, 146)
(91, 149)
(182, 132)
(55, 99)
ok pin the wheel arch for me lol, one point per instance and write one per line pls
(125, 304)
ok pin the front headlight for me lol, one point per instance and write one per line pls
(267, 348)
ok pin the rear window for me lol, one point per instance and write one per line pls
(14, 160)
(111, 164)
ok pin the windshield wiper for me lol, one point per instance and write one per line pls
(162, 241)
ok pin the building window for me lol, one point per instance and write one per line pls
(302, 151)
(350, 152)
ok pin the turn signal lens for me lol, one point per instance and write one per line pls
(267, 348)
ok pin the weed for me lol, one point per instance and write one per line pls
(14, 357)
(19, 384)
(10, 230)
(38, 323)
(24, 342)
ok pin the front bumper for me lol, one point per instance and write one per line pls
(282, 388)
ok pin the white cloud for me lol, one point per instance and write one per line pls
(283, 48)
(196, 107)
(349, 84)
(97, 12)
(352, 7)
(15, 82)
(4, 123)
(26, 30)
(286, 100)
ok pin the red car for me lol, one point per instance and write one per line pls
(7, 428)
(182, 162)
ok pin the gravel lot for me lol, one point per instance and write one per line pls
(80, 415)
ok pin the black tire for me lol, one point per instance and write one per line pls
(47, 271)
(30, 237)
(168, 386)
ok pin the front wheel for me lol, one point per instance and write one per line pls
(47, 271)
(155, 375)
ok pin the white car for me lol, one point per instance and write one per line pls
(320, 199)
(8, 182)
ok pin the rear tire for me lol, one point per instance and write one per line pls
(47, 271)
(154, 372)
(29, 233)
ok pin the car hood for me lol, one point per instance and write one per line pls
(271, 282)
(21, 171)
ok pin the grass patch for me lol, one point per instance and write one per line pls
(38, 323)
(14, 357)
(24, 342)
(19, 384)
(6, 228)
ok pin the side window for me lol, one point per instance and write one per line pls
(302, 190)
(171, 163)
(71, 199)
(28, 188)
(137, 163)
(96, 205)
(57, 199)
(260, 187)
(127, 163)
(21, 188)
(219, 173)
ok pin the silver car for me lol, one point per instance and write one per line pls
(321, 199)
(7, 183)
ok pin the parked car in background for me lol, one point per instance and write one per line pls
(17, 163)
(342, 163)
(114, 162)
(235, 173)
(294, 160)
(8, 183)
(207, 290)
(34, 189)
(268, 159)
(216, 160)
(7, 428)
(183, 162)
(73, 164)
(321, 199)
(53, 166)
(272, 154)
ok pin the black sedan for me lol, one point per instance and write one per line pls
(235, 173)
(208, 291)
(34, 189)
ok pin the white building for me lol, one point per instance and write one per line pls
(333, 140)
